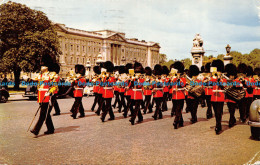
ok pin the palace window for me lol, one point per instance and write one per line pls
(71, 47)
(71, 60)
(83, 60)
(65, 46)
(83, 47)
(77, 60)
(77, 48)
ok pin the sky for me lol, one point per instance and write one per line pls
(171, 23)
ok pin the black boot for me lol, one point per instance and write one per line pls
(175, 124)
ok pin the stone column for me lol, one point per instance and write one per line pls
(149, 57)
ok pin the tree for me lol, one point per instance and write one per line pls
(27, 39)
(162, 58)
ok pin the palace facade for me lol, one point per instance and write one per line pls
(82, 47)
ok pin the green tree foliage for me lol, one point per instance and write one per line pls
(162, 58)
(26, 38)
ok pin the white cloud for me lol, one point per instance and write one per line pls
(172, 23)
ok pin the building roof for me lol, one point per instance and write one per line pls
(105, 34)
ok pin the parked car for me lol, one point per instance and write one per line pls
(4, 95)
(254, 119)
(31, 92)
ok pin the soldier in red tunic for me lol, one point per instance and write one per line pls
(55, 69)
(218, 93)
(178, 83)
(128, 92)
(44, 92)
(79, 84)
(231, 71)
(165, 73)
(157, 85)
(116, 90)
(250, 85)
(121, 87)
(147, 90)
(241, 70)
(257, 83)
(137, 95)
(108, 91)
(208, 90)
(193, 101)
(95, 81)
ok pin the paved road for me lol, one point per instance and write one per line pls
(89, 141)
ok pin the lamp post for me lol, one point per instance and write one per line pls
(227, 58)
(88, 66)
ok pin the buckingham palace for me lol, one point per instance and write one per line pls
(85, 47)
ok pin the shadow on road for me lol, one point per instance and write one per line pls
(61, 130)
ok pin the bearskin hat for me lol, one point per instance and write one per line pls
(231, 69)
(148, 71)
(165, 70)
(138, 67)
(257, 71)
(122, 69)
(129, 66)
(47, 60)
(109, 66)
(202, 69)
(207, 67)
(250, 71)
(116, 68)
(80, 69)
(193, 70)
(54, 68)
(218, 64)
(178, 65)
(242, 68)
(97, 69)
(157, 69)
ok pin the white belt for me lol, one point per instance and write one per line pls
(43, 89)
(137, 89)
(159, 89)
(79, 88)
(218, 90)
(107, 88)
(209, 87)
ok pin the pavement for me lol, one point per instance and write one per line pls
(89, 141)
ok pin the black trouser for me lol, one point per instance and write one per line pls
(177, 107)
(208, 101)
(130, 104)
(108, 108)
(242, 109)
(256, 97)
(158, 110)
(78, 107)
(231, 109)
(137, 110)
(193, 107)
(153, 102)
(100, 104)
(117, 100)
(249, 101)
(122, 101)
(187, 104)
(142, 104)
(169, 96)
(147, 101)
(95, 101)
(43, 113)
(54, 104)
(164, 104)
(218, 110)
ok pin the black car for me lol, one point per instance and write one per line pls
(31, 91)
(4, 95)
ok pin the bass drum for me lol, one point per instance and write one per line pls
(254, 119)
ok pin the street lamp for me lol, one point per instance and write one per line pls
(88, 66)
(228, 48)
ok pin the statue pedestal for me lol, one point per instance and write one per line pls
(197, 56)
(227, 59)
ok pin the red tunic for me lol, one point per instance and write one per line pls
(178, 90)
(157, 90)
(80, 85)
(108, 89)
(218, 94)
(137, 93)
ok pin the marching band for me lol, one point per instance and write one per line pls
(135, 87)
